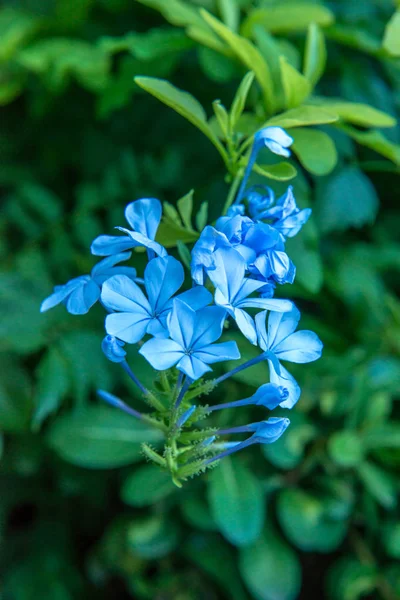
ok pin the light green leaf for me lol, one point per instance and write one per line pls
(201, 217)
(295, 86)
(230, 13)
(222, 118)
(185, 207)
(177, 12)
(270, 568)
(386, 435)
(304, 522)
(184, 254)
(237, 502)
(391, 38)
(247, 54)
(346, 448)
(376, 141)
(351, 580)
(98, 437)
(287, 17)
(240, 98)
(15, 29)
(356, 113)
(315, 54)
(53, 384)
(146, 486)
(379, 484)
(315, 150)
(283, 171)
(182, 102)
(303, 115)
(348, 199)
(169, 233)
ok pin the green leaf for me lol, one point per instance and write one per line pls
(379, 484)
(391, 38)
(357, 113)
(230, 13)
(376, 141)
(288, 17)
(182, 102)
(303, 115)
(270, 568)
(184, 254)
(169, 233)
(15, 29)
(197, 513)
(247, 54)
(149, 46)
(346, 449)
(315, 150)
(283, 171)
(237, 502)
(53, 385)
(152, 537)
(391, 540)
(146, 486)
(201, 217)
(216, 65)
(240, 98)
(222, 118)
(386, 435)
(97, 437)
(295, 86)
(176, 12)
(315, 54)
(185, 207)
(304, 522)
(309, 265)
(347, 200)
(351, 580)
(15, 401)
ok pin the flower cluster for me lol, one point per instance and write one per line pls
(236, 265)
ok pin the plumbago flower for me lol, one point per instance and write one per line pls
(236, 266)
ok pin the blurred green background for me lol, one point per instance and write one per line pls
(81, 513)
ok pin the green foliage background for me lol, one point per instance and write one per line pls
(81, 513)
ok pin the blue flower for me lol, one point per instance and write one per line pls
(233, 290)
(282, 342)
(191, 347)
(138, 315)
(236, 209)
(275, 139)
(144, 217)
(268, 432)
(81, 293)
(260, 198)
(268, 395)
(113, 349)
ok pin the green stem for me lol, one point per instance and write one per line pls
(232, 191)
(154, 402)
(164, 381)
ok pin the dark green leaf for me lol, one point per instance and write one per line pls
(146, 486)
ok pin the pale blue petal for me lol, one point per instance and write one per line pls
(286, 380)
(107, 263)
(261, 328)
(246, 325)
(142, 240)
(208, 326)
(290, 226)
(268, 432)
(127, 326)
(270, 395)
(161, 353)
(192, 367)
(281, 266)
(218, 352)
(113, 349)
(105, 245)
(158, 328)
(300, 347)
(82, 298)
(122, 294)
(280, 325)
(248, 287)
(197, 297)
(181, 323)
(144, 216)
(61, 292)
(162, 277)
(229, 272)
(274, 304)
(276, 139)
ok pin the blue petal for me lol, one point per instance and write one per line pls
(246, 325)
(192, 366)
(61, 292)
(122, 294)
(274, 304)
(290, 226)
(286, 380)
(161, 353)
(270, 395)
(82, 298)
(248, 287)
(229, 272)
(181, 323)
(261, 329)
(144, 216)
(128, 326)
(280, 325)
(197, 297)
(142, 240)
(268, 432)
(208, 326)
(106, 268)
(218, 352)
(274, 138)
(105, 245)
(162, 277)
(299, 347)
(282, 268)
(202, 253)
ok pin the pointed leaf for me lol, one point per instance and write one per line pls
(296, 87)
(239, 100)
(303, 115)
(185, 207)
(391, 39)
(315, 54)
(287, 17)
